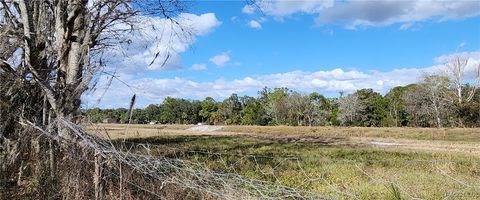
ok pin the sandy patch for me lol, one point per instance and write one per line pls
(205, 128)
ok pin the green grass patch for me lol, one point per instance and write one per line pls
(340, 172)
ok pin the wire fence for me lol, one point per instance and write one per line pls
(226, 175)
(458, 186)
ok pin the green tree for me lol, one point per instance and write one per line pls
(230, 110)
(168, 110)
(374, 108)
(277, 106)
(152, 112)
(208, 107)
(253, 113)
(95, 115)
(397, 114)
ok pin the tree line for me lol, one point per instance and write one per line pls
(436, 101)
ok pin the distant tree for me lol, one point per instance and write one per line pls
(464, 92)
(397, 115)
(208, 107)
(194, 112)
(416, 106)
(139, 116)
(469, 113)
(169, 110)
(277, 106)
(456, 67)
(349, 109)
(95, 115)
(230, 110)
(298, 108)
(428, 103)
(253, 113)
(322, 109)
(437, 91)
(305, 110)
(333, 112)
(121, 115)
(264, 100)
(152, 112)
(373, 107)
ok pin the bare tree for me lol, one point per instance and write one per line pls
(429, 103)
(349, 108)
(302, 109)
(58, 45)
(464, 84)
(456, 67)
(51, 52)
(415, 106)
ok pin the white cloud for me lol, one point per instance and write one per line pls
(199, 67)
(254, 24)
(405, 26)
(475, 55)
(160, 40)
(282, 8)
(220, 60)
(248, 9)
(359, 13)
(201, 24)
(153, 90)
(380, 13)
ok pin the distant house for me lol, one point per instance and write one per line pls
(153, 122)
(110, 121)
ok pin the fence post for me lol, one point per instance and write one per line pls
(98, 177)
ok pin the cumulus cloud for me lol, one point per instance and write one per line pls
(153, 90)
(380, 13)
(474, 56)
(199, 67)
(254, 24)
(353, 14)
(156, 43)
(326, 81)
(282, 8)
(405, 26)
(248, 9)
(220, 60)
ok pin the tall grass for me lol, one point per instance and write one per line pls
(338, 172)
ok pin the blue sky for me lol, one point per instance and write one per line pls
(323, 46)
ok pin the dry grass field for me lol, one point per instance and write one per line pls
(344, 163)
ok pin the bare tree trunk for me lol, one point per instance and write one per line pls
(436, 110)
(54, 39)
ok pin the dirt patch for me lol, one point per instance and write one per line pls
(385, 144)
(205, 128)
(320, 138)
